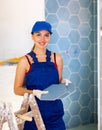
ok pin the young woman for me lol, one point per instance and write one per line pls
(39, 69)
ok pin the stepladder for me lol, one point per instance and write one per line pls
(17, 119)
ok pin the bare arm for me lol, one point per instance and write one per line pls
(21, 70)
(59, 62)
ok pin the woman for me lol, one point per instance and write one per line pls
(37, 70)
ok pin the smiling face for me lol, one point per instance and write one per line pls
(41, 39)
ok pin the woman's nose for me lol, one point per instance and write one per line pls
(42, 38)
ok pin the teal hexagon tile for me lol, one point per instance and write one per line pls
(95, 106)
(84, 29)
(91, 8)
(74, 121)
(84, 3)
(91, 64)
(63, 14)
(95, 78)
(94, 8)
(52, 18)
(91, 91)
(95, 36)
(53, 48)
(74, 65)
(91, 77)
(84, 43)
(92, 117)
(54, 37)
(66, 58)
(84, 86)
(84, 72)
(52, 6)
(91, 36)
(63, 2)
(91, 105)
(66, 118)
(84, 100)
(93, 22)
(63, 29)
(96, 117)
(74, 7)
(95, 81)
(66, 102)
(66, 73)
(63, 44)
(74, 51)
(74, 108)
(84, 58)
(95, 52)
(75, 96)
(95, 91)
(91, 50)
(74, 22)
(84, 15)
(84, 115)
(74, 36)
(75, 79)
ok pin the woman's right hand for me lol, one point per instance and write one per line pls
(38, 93)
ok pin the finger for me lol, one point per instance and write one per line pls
(45, 92)
(66, 83)
(39, 96)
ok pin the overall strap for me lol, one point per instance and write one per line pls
(29, 64)
(32, 54)
(28, 60)
(55, 60)
(48, 53)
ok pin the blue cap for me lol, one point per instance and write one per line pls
(41, 25)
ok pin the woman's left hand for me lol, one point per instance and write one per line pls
(66, 81)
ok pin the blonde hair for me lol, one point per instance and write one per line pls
(33, 47)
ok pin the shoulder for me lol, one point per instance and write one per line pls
(59, 58)
(26, 59)
(22, 62)
(23, 59)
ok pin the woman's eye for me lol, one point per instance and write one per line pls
(38, 34)
(47, 35)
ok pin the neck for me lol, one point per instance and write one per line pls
(40, 51)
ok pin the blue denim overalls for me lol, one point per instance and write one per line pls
(40, 76)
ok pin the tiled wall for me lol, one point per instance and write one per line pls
(74, 36)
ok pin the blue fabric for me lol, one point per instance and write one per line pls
(42, 75)
(41, 25)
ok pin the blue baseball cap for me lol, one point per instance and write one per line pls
(41, 25)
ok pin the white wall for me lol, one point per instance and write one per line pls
(16, 20)
(7, 75)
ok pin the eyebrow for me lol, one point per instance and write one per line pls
(45, 33)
